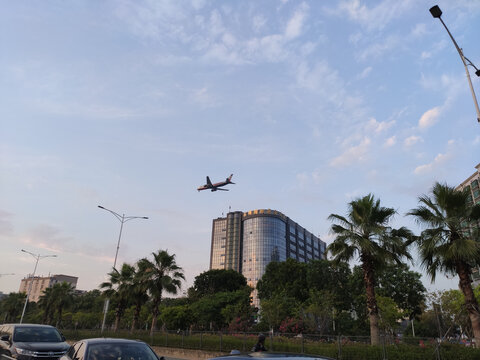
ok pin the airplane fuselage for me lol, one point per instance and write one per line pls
(216, 186)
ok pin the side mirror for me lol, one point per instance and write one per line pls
(5, 338)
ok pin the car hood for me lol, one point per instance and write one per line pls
(43, 346)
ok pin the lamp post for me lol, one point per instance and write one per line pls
(37, 258)
(437, 13)
(123, 219)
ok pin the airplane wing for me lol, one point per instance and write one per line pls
(222, 189)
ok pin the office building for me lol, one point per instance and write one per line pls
(39, 284)
(247, 241)
(472, 184)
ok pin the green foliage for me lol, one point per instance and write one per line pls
(216, 311)
(390, 314)
(327, 276)
(404, 286)
(287, 277)
(214, 281)
(277, 308)
(11, 307)
(177, 317)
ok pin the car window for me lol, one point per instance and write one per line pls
(116, 351)
(36, 334)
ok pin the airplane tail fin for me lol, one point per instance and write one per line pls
(229, 179)
(209, 183)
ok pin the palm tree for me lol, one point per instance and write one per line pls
(46, 302)
(119, 287)
(450, 242)
(139, 291)
(364, 233)
(63, 296)
(12, 306)
(161, 274)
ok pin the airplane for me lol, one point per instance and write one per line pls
(216, 186)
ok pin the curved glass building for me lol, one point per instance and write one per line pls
(248, 241)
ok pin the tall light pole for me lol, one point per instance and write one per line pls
(37, 258)
(437, 13)
(123, 219)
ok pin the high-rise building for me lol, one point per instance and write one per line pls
(247, 241)
(39, 284)
(472, 185)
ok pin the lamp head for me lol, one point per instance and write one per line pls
(435, 11)
(101, 207)
(477, 72)
(145, 217)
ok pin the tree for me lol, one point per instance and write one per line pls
(403, 286)
(365, 233)
(214, 281)
(119, 287)
(139, 291)
(450, 242)
(278, 308)
(11, 307)
(330, 277)
(287, 277)
(161, 274)
(46, 303)
(63, 297)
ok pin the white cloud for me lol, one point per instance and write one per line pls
(437, 162)
(390, 141)
(419, 30)
(412, 140)
(352, 155)
(258, 22)
(429, 118)
(295, 24)
(379, 127)
(203, 97)
(377, 17)
(376, 50)
(365, 73)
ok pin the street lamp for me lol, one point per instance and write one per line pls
(123, 219)
(437, 13)
(37, 258)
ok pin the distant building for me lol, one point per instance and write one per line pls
(247, 241)
(39, 284)
(472, 184)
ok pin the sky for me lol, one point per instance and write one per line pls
(131, 104)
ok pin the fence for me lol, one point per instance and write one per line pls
(336, 347)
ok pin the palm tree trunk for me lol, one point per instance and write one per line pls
(154, 317)
(369, 280)
(470, 300)
(118, 315)
(136, 315)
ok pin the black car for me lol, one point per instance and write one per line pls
(110, 349)
(32, 342)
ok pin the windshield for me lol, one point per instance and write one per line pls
(36, 334)
(118, 351)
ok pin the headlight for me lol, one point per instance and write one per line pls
(24, 352)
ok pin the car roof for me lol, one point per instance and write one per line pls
(30, 325)
(111, 341)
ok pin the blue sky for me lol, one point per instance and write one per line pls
(130, 104)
